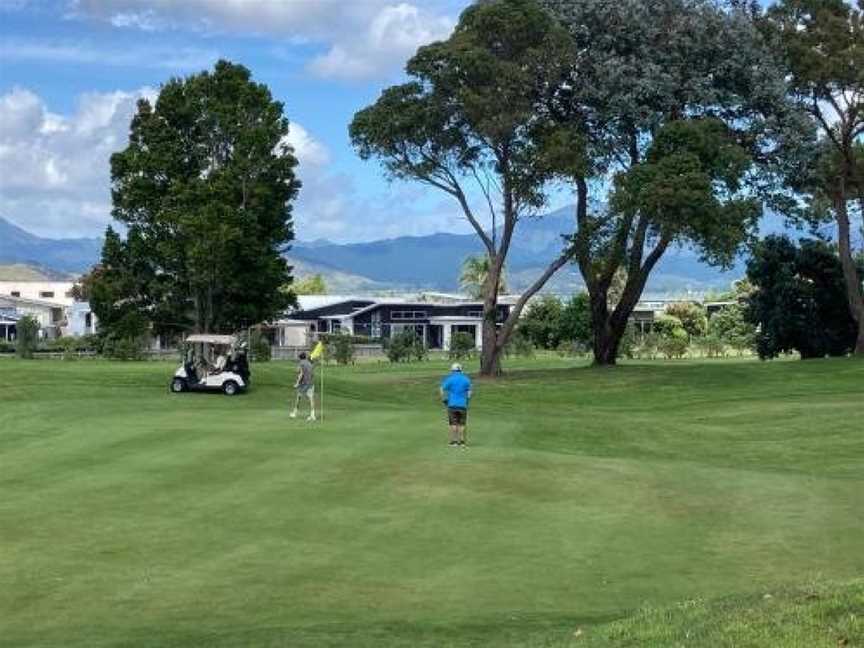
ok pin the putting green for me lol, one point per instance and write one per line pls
(130, 516)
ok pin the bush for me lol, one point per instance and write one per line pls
(542, 322)
(400, 346)
(519, 345)
(576, 320)
(647, 347)
(462, 346)
(675, 344)
(419, 351)
(326, 338)
(125, 348)
(27, 337)
(692, 317)
(627, 345)
(259, 347)
(730, 325)
(665, 325)
(711, 345)
(341, 349)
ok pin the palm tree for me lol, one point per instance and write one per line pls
(475, 269)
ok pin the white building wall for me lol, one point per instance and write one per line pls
(53, 291)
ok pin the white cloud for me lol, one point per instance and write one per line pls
(309, 151)
(55, 174)
(363, 38)
(394, 34)
(184, 58)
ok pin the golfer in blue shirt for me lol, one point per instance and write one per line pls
(456, 395)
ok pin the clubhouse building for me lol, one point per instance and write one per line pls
(433, 317)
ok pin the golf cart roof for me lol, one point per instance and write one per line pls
(207, 338)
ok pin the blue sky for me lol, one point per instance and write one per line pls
(71, 71)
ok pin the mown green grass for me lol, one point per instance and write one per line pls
(132, 517)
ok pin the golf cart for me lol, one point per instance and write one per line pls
(212, 363)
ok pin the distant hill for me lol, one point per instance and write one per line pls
(433, 261)
(18, 246)
(24, 272)
(410, 262)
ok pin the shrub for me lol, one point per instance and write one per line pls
(341, 349)
(675, 344)
(125, 348)
(356, 339)
(27, 337)
(627, 345)
(730, 325)
(647, 347)
(664, 325)
(692, 317)
(711, 345)
(576, 320)
(462, 346)
(400, 346)
(519, 345)
(418, 350)
(542, 322)
(259, 347)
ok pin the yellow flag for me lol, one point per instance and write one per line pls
(318, 351)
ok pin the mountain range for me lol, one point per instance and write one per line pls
(406, 263)
(17, 246)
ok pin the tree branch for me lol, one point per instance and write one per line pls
(513, 317)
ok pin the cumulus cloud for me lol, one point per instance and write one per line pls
(394, 34)
(361, 38)
(308, 150)
(55, 174)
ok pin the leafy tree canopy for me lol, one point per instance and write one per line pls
(469, 123)
(680, 108)
(798, 302)
(204, 189)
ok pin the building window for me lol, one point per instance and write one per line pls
(16, 293)
(46, 294)
(335, 326)
(407, 315)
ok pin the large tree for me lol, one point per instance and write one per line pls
(823, 42)
(678, 104)
(204, 189)
(467, 124)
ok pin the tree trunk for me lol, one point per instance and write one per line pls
(490, 354)
(854, 293)
(605, 345)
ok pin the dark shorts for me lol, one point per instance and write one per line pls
(306, 390)
(457, 415)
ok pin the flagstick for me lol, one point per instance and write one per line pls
(322, 390)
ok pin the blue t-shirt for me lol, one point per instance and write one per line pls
(456, 386)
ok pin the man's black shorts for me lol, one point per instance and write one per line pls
(457, 415)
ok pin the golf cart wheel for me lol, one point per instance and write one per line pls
(178, 385)
(230, 388)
